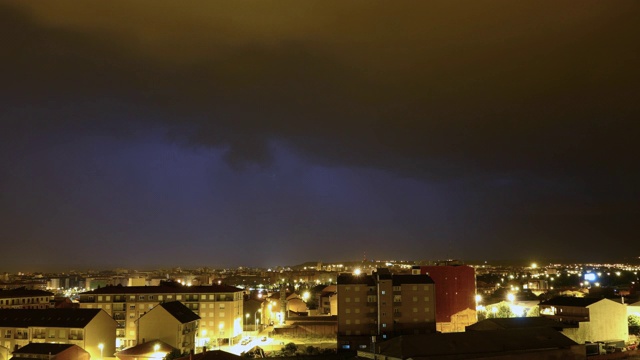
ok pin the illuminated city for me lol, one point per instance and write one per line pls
(335, 179)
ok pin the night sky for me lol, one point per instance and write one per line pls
(260, 133)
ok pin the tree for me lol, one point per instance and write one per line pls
(502, 310)
(174, 354)
(634, 324)
(290, 349)
(534, 311)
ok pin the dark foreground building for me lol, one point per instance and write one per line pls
(383, 305)
(521, 344)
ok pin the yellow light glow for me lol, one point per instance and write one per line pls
(357, 272)
(511, 297)
(478, 298)
(534, 265)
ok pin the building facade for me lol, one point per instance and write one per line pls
(383, 305)
(91, 329)
(25, 299)
(172, 323)
(455, 295)
(220, 308)
(588, 319)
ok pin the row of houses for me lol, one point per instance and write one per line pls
(94, 330)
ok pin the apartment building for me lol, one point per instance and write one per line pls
(588, 319)
(383, 305)
(172, 323)
(220, 308)
(455, 295)
(23, 298)
(91, 329)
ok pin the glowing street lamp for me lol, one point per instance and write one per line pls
(256, 319)
(511, 297)
(101, 347)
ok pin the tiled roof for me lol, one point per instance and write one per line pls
(70, 318)
(346, 279)
(43, 348)
(448, 345)
(571, 301)
(164, 289)
(180, 311)
(212, 355)
(398, 280)
(19, 293)
(146, 348)
(514, 323)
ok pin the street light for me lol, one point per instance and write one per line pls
(255, 318)
(101, 346)
(246, 318)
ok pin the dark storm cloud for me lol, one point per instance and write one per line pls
(526, 110)
(424, 89)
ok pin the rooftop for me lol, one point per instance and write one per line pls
(164, 289)
(69, 318)
(179, 311)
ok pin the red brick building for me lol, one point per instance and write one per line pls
(455, 295)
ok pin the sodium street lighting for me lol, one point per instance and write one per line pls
(101, 346)
(246, 318)
(257, 320)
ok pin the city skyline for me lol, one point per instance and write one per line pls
(262, 134)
